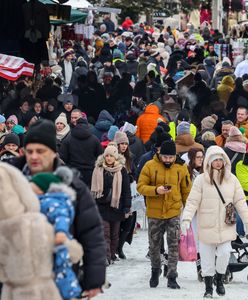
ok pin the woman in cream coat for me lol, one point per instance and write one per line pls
(214, 234)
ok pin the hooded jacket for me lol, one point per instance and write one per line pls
(80, 148)
(225, 88)
(185, 142)
(147, 122)
(103, 123)
(211, 212)
(155, 174)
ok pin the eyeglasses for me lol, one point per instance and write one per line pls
(199, 157)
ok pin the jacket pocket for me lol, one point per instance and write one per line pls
(207, 218)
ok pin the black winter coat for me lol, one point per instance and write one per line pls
(87, 228)
(81, 148)
(107, 212)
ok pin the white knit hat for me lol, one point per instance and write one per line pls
(61, 119)
(214, 157)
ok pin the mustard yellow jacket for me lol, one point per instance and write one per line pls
(155, 174)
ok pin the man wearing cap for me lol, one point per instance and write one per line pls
(165, 182)
(182, 116)
(40, 156)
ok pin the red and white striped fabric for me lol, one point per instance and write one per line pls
(12, 67)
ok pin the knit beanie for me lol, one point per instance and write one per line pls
(209, 122)
(128, 127)
(111, 150)
(18, 129)
(183, 127)
(11, 138)
(111, 133)
(121, 137)
(62, 119)
(168, 148)
(161, 136)
(12, 119)
(61, 175)
(234, 131)
(208, 136)
(42, 132)
(2, 119)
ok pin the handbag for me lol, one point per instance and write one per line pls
(187, 247)
(230, 218)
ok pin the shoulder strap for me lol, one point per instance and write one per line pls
(234, 157)
(221, 197)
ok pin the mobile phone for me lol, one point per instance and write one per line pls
(167, 187)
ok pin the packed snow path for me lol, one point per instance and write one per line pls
(130, 279)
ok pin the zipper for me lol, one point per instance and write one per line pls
(156, 173)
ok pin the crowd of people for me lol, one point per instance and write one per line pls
(161, 112)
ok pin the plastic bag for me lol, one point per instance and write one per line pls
(138, 202)
(187, 247)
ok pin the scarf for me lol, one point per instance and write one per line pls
(61, 134)
(236, 146)
(97, 182)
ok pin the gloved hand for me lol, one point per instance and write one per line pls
(185, 225)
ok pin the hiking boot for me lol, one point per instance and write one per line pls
(220, 289)
(209, 287)
(172, 284)
(154, 281)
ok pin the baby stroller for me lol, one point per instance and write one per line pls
(238, 259)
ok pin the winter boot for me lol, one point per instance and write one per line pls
(122, 239)
(154, 281)
(198, 268)
(165, 264)
(172, 283)
(220, 290)
(209, 287)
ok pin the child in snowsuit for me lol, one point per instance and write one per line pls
(56, 201)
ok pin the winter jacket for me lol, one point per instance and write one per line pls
(155, 174)
(211, 212)
(147, 122)
(107, 212)
(81, 148)
(244, 125)
(242, 175)
(103, 123)
(136, 147)
(234, 157)
(185, 142)
(173, 130)
(224, 71)
(87, 229)
(225, 88)
(220, 140)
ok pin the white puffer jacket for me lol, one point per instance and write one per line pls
(204, 199)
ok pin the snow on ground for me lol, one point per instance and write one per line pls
(130, 278)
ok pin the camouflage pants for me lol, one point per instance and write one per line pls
(156, 230)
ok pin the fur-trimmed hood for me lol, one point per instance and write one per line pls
(62, 188)
(100, 160)
(216, 150)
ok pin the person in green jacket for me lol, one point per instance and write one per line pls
(242, 175)
(182, 116)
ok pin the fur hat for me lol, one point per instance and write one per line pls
(121, 137)
(17, 196)
(61, 119)
(209, 122)
(183, 127)
(42, 132)
(111, 150)
(168, 148)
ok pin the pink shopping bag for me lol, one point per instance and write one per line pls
(187, 247)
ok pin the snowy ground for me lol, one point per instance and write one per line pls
(130, 279)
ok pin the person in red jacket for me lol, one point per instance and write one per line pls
(127, 23)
